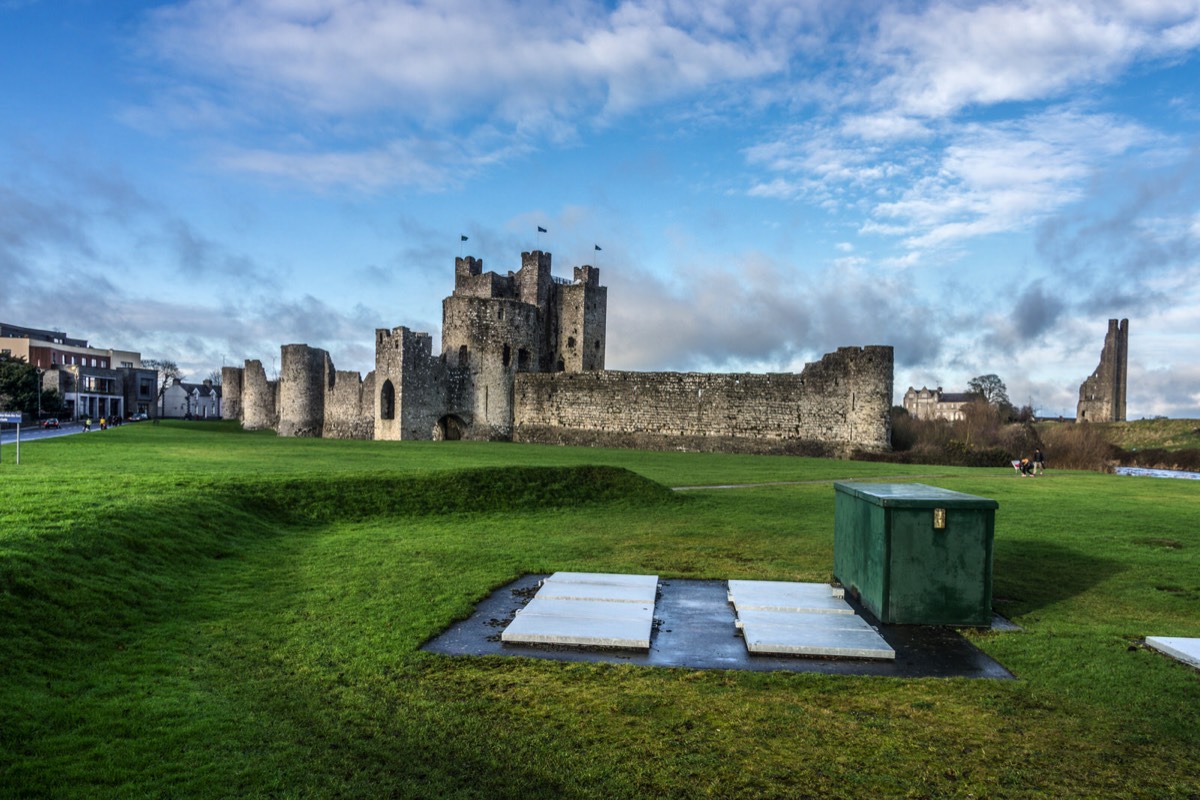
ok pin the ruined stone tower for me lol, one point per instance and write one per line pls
(1102, 396)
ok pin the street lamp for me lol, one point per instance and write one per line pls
(39, 372)
(74, 368)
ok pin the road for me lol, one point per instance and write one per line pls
(33, 432)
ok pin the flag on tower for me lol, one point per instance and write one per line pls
(462, 238)
(597, 247)
(541, 229)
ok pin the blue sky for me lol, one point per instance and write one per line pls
(980, 185)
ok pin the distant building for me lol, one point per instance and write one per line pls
(926, 403)
(191, 400)
(93, 382)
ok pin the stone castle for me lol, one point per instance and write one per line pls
(1102, 395)
(522, 359)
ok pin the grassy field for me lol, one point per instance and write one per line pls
(1168, 434)
(193, 611)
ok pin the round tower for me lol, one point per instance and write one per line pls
(302, 385)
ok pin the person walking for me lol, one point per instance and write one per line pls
(1039, 461)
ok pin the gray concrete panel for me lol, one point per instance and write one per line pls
(793, 619)
(597, 591)
(590, 609)
(777, 601)
(1185, 650)
(809, 641)
(578, 631)
(790, 588)
(608, 578)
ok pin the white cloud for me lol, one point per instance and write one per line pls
(517, 59)
(946, 57)
(975, 179)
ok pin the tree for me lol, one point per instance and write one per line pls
(168, 372)
(991, 389)
(20, 388)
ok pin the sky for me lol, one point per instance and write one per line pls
(981, 186)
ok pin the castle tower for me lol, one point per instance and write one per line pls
(1102, 395)
(582, 319)
(259, 395)
(493, 327)
(305, 374)
(410, 386)
(231, 392)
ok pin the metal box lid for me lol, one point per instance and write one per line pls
(913, 495)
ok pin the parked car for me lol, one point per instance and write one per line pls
(50, 423)
(138, 417)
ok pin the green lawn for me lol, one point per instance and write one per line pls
(1168, 434)
(187, 610)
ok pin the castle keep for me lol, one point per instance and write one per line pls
(522, 359)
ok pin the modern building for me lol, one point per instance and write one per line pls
(94, 382)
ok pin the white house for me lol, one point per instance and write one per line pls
(191, 400)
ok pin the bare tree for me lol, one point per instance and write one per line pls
(991, 389)
(168, 373)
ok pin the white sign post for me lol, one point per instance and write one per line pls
(13, 417)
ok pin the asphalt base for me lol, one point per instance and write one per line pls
(694, 628)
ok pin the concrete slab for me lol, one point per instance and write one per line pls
(810, 641)
(789, 587)
(589, 609)
(694, 629)
(1185, 650)
(609, 578)
(793, 619)
(577, 631)
(773, 599)
(609, 592)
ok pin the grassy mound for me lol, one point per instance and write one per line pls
(103, 562)
(492, 490)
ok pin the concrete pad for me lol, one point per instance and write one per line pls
(1185, 650)
(613, 579)
(694, 629)
(792, 619)
(788, 587)
(558, 590)
(578, 631)
(808, 641)
(589, 609)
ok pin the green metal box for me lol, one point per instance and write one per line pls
(915, 554)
